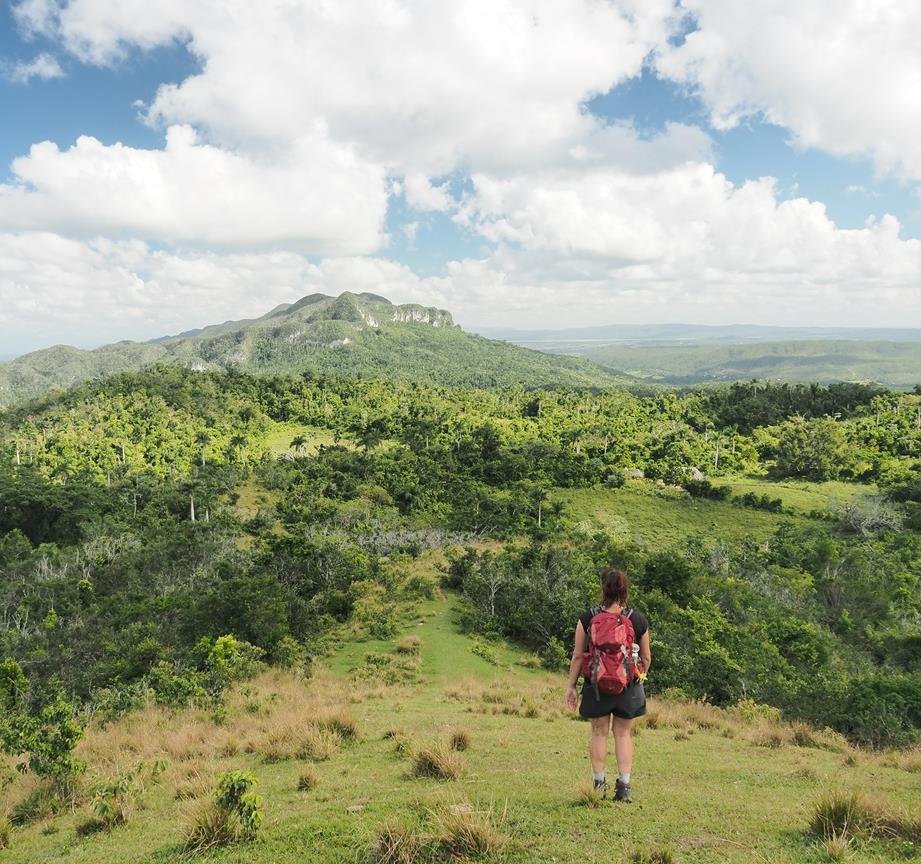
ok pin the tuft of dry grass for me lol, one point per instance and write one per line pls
(6, 833)
(207, 825)
(588, 796)
(904, 760)
(396, 843)
(318, 744)
(436, 760)
(460, 738)
(838, 848)
(41, 803)
(308, 779)
(340, 721)
(468, 833)
(852, 816)
(410, 644)
(769, 736)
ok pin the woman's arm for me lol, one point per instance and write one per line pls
(645, 652)
(575, 667)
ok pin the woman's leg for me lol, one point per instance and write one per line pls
(623, 745)
(598, 743)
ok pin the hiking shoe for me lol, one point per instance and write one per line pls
(602, 787)
(623, 792)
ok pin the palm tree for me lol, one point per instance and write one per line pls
(202, 439)
(298, 443)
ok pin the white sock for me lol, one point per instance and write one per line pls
(599, 776)
(624, 777)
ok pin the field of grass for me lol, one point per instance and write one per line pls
(800, 495)
(708, 786)
(642, 512)
(279, 438)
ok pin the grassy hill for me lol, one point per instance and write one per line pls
(353, 334)
(710, 785)
(895, 364)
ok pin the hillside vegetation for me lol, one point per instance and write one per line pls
(162, 537)
(353, 334)
(506, 783)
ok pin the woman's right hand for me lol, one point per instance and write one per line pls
(572, 697)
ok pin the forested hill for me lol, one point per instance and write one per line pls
(353, 334)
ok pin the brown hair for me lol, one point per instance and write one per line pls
(615, 586)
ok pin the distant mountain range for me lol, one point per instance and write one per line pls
(690, 354)
(354, 334)
(695, 334)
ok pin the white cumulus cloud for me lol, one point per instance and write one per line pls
(43, 67)
(313, 196)
(843, 77)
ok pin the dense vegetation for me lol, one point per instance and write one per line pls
(126, 554)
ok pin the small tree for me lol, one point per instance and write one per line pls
(47, 731)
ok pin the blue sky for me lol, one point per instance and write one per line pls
(513, 199)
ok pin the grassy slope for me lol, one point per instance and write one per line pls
(710, 798)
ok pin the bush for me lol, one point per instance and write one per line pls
(553, 655)
(233, 813)
(44, 728)
(705, 489)
(485, 651)
(759, 502)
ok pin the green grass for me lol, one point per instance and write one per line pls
(800, 495)
(279, 438)
(711, 799)
(652, 516)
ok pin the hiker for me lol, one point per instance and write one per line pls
(614, 666)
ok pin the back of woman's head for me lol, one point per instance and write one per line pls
(615, 586)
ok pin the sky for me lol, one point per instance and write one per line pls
(523, 164)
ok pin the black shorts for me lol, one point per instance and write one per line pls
(627, 705)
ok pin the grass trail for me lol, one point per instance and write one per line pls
(707, 797)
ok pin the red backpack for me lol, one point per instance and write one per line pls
(608, 665)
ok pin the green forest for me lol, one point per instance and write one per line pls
(155, 524)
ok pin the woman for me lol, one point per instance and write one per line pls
(611, 712)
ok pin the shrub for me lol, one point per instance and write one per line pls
(47, 734)
(438, 761)
(485, 651)
(177, 687)
(233, 813)
(112, 800)
(553, 655)
(705, 489)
